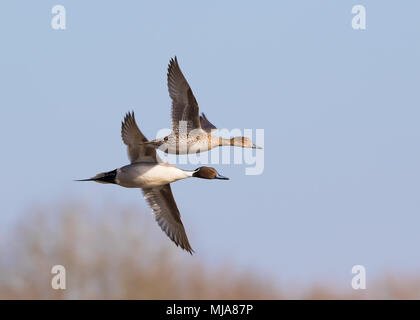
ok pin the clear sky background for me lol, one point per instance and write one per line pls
(340, 109)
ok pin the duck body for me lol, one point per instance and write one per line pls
(149, 175)
(176, 143)
(191, 132)
(153, 177)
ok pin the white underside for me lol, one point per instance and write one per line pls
(185, 148)
(149, 175)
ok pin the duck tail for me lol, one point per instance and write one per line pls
(104, 177)
(155, 143)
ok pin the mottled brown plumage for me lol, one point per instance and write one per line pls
(191, 133)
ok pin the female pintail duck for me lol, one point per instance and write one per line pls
(191, 133)
(148, 172)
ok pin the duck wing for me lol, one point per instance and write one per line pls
(206, 125)
(134, 139)
(184, 105)
(167, 215)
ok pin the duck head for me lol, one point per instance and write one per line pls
(243, 142)
(208, 173)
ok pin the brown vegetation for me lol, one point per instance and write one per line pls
(112, 255)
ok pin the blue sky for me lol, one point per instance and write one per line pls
(340, 109)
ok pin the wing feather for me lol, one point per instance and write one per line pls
(167, 215)
(184, 105)
(206, 125)
(134, 139)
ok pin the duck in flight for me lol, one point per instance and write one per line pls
(191, 133)
(148, 172)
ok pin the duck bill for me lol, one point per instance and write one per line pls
(254, 146)
(220, 177)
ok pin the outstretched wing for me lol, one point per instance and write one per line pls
(134, 139)
(167, 214)
(206, 125)
(184, 104)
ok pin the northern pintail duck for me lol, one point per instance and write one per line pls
(191, 133)
(148, 172)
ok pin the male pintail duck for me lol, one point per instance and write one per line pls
(148, 172)
(191, 133)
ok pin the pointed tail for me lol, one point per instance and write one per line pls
(155, 143)
(104, 177)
